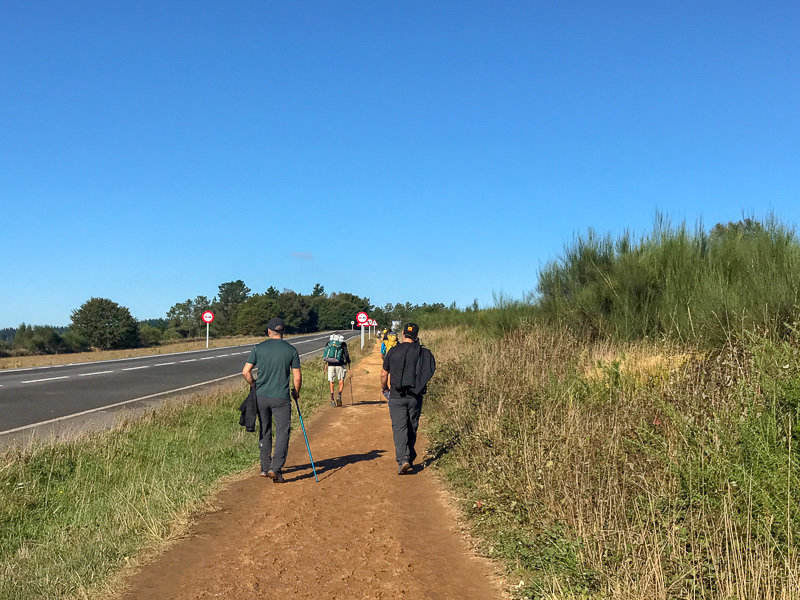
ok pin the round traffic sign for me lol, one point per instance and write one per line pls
(362, 318)
(208, 316)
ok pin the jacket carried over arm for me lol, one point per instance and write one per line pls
(249, 411)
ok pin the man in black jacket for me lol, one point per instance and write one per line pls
(406, 370)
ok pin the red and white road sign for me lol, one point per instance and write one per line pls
(372, 322)
(362, 318)
(207, 316)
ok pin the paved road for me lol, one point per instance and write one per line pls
(30, 398)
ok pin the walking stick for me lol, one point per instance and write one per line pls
(303, 427)
(351, 389)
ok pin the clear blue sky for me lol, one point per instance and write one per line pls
(152, 151)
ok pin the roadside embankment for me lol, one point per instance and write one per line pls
(638, 471)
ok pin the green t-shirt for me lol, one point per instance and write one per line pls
(274, 360)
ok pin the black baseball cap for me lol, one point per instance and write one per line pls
(411, 330)
(276, 324)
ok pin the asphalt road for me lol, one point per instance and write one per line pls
(42, 396)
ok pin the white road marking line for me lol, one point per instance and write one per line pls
(95, 373)
(208, 357)
(164, 364)
(190, 360)
(136, 368)
(311, 340)
(99, 408)
(221, 355)
(46, 379)
(92, 362)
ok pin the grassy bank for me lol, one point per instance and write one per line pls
(73, 514)
(609, 470)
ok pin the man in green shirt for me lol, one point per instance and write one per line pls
(274, 359)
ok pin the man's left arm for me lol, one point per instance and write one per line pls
(384, 380)
(385, 372)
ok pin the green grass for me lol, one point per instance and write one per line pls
(73, 514)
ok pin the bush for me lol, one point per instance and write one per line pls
(150, 336)
(707, 288)
(106, 324)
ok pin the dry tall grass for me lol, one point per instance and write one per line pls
(629, 477)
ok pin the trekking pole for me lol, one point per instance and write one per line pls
(303, 427)
(351, 389)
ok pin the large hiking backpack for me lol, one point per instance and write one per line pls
(333, 352)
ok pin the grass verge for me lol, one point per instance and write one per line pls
(73, 514)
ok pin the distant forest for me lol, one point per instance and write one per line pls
(101, 323)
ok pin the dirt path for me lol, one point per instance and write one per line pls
(361, 532)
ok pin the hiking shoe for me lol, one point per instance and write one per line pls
(278, 477)
(333, 402)
(263, 474)
(339, 400)
(404, 468)
(270, 474)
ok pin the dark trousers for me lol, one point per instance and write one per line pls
(281, 411)
(405, 411)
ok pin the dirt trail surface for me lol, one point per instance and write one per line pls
(361, 532)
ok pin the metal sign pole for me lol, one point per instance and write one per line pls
(207, 325)
(362, 336)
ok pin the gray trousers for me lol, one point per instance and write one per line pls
(281, 411)
(405, 411)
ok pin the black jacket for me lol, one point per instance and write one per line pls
(411, 366)
(249, 411)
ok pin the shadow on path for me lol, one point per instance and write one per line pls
(328, 466)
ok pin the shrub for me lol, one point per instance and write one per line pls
(106, 324)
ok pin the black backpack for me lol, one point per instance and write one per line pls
(415, 380)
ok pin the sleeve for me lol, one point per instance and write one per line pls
(295, 358)
(251, 358)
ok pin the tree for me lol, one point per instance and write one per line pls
(105, 324)
(180, 319)
(230, 297)
(318, 290)
(253, 314)
(184, 318)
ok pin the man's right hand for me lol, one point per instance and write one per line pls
(295, 394)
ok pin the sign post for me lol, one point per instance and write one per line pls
(361, 319)
(352, 324)
(208, 317)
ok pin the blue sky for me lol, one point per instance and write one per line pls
(399, 150)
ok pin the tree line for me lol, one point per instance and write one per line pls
(100, 323)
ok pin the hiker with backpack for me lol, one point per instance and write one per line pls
(389, 342)
(407, 368)
(336, 361)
